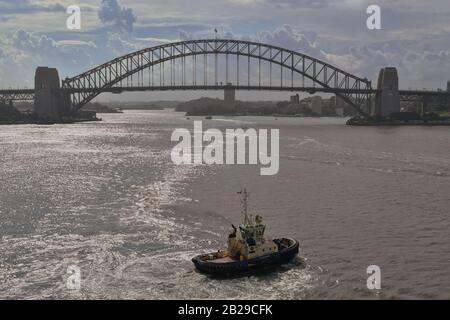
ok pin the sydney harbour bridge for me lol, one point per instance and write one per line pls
(214, 65)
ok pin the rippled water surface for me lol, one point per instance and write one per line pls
(106, 197)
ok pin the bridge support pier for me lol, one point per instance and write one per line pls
(387, 100)
(230, 97)
(50, 102)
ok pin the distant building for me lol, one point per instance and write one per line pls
(315, 104)
(229, 97)
(295, 99)
(338, 105)
(340, 111)
(316, 107)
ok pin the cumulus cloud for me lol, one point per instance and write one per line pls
(422, 63)
(185, 35)
(415, 37)
(301, 3)
(23, 51)
(113, 14)
(8, 7)
(287, 37)
(422, 68)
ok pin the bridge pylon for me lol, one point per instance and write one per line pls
(50, 102)
(387, 99)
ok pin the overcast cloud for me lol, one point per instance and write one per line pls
(415, 35)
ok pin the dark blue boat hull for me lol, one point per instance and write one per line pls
(248, 266)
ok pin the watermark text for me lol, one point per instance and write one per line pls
(249, 146)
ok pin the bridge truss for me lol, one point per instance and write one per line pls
(211, 64)
(16, 95)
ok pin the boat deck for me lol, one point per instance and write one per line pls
(223, 260)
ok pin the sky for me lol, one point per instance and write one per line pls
(415, 34)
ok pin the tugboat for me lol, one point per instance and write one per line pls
(248, 250)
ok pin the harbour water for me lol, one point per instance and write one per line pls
(106, 197)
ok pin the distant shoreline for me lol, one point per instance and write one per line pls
(46, 122)
(259, 115)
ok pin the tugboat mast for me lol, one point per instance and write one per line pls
(244, 202)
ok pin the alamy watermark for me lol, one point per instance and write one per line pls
(73, 281)
(374, 279)
(240, 145)
(73, 22)
(374, 20)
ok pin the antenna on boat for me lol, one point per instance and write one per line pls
(244, 202)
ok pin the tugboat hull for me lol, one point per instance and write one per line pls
(288, 249)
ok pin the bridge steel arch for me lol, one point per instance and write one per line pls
(354, 90)
(16, 95)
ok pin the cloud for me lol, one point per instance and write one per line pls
(286, 37)
(112, 13)
(23, 51)
(8, 7)
(422, 68)
(415, 36)
(316, 4)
